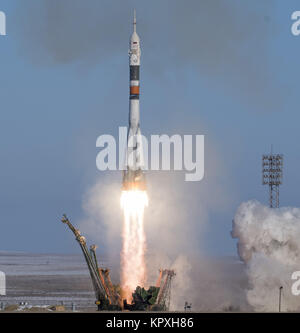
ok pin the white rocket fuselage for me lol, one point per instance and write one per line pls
(133, 177)
(134, 65)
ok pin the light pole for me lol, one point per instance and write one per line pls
(272, 169)
(280, 291)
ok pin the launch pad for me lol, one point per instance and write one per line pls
(109, 296)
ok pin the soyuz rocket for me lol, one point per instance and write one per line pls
(133, 175)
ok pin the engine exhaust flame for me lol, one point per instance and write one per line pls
(133, 268)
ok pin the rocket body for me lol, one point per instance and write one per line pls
(133, 176)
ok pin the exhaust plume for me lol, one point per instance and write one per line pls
(133, 268)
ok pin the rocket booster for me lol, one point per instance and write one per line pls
(133, 176)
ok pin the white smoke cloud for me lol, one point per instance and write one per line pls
(268, 242)
(101, 204)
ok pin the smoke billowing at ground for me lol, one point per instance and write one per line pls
(268, 242)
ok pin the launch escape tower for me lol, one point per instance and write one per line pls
(272, 170)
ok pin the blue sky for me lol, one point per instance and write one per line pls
(226, 69)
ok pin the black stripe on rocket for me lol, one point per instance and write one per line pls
(134, 73)
(134, 76)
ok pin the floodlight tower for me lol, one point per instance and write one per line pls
(272, 166)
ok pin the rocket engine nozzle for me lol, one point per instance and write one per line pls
(134, 181)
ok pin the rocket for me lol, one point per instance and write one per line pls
(133, 175)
